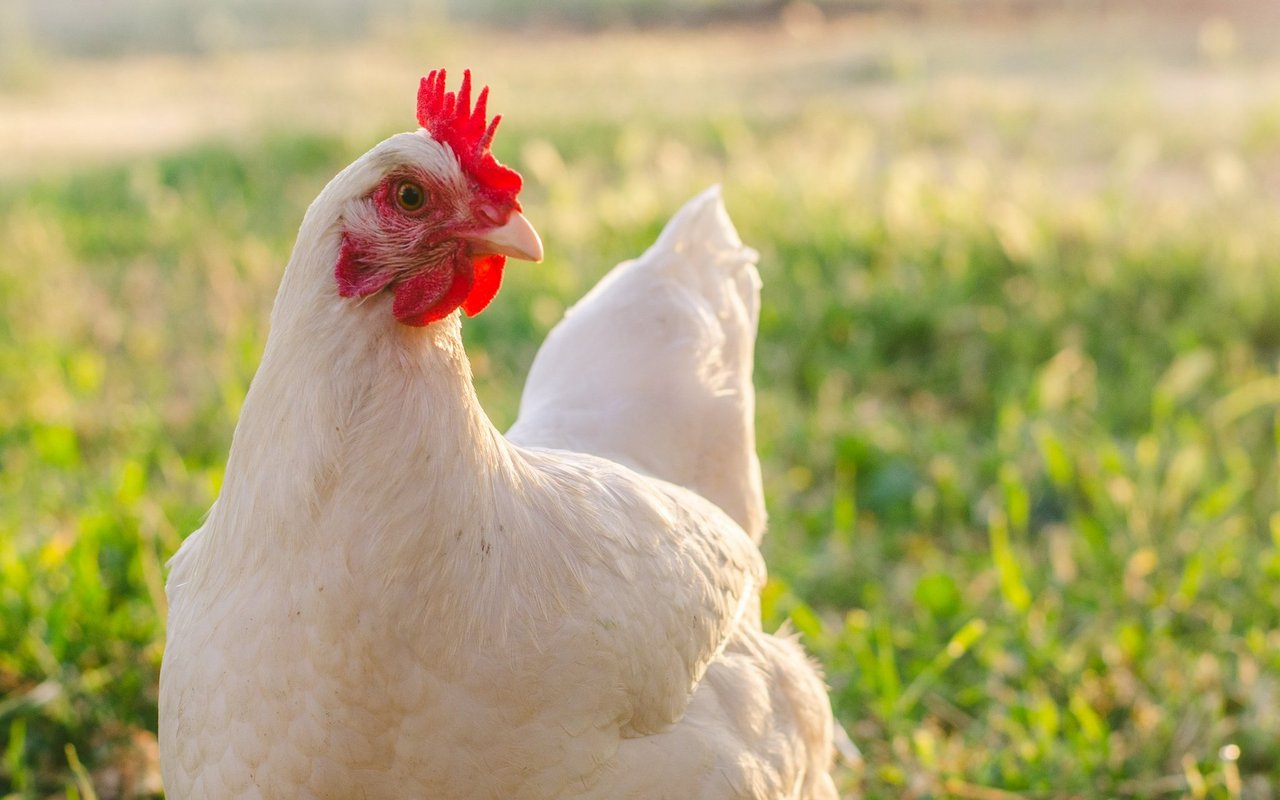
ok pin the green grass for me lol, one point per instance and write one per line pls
(1018, 417)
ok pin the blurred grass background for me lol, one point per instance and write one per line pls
(1018, 360)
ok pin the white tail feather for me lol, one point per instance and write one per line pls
(653, 367)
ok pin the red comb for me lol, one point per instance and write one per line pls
(449, 118)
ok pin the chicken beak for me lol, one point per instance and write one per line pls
(516, 238)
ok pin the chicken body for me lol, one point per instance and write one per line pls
(391, 599)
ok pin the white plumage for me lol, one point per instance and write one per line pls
(653, 367)
(390, 599)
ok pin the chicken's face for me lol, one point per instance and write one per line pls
(437, 228)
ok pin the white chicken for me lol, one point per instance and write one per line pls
(390, 599)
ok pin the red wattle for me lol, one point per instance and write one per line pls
(488, 277)
(429, 296)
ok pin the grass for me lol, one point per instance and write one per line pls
(1017, 372)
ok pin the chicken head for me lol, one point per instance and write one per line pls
(438, 226)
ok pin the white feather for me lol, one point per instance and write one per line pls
(653, 367)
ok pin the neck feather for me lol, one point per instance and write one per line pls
(358, 435)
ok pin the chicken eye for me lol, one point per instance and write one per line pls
(410, 196)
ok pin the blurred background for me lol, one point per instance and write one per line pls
(1018, 361)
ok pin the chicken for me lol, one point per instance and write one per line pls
(391, 599)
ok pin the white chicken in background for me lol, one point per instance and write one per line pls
(390, 599)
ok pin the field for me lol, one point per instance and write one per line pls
(1018, 367)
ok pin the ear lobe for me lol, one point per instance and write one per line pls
(354, 275)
